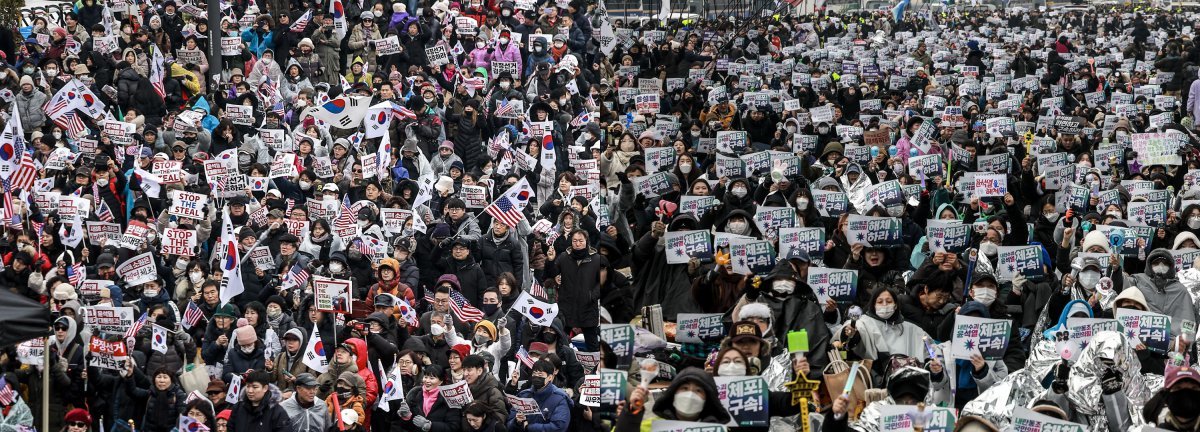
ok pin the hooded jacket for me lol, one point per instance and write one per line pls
(361, 359)
(312, 419)
(487, 391)
(664, 408)
(1166, 295)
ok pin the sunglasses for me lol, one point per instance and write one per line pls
(77, 424)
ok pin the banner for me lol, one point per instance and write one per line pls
(107, 355)
(187, 204)
(240, 114)
(700, 328)
(180, 242)
(682, 246)
(108, 319)
(984, 336)
(685, 426)
(874, 231)
(1157, 148)
(901, 418)
(1080, 331)
(830, 204)
(1023, 260)
(527, 406)
(1148, 328)
(947, 235)
(837, 284)
(138, 270)
(332, 295)
(745, 398)
(770, 219)
(457, 395)
(475, 197)
(1025, 419)
(809, 239)
(387, 46)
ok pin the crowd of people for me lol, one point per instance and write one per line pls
(540, 216)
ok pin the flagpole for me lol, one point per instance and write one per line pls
(46, 385)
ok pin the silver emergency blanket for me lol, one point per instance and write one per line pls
(1024, 387)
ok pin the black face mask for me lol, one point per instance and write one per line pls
(1184, 403)
(489, 309)
(537, 382)
(549, 338)
(344, 394)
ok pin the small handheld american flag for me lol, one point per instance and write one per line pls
(136, 327)
(7, 395)
(192, 315)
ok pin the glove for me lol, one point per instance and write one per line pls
(1018, 283)
(404, 410)
(502, 322)
(1112, 381)
(422, 423)
(624, 178)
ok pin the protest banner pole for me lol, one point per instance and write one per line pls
(46, 385)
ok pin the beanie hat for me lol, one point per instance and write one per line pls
(487, 326)
(26, 80)
(246, 335)
(1096, 238)
(78, 415)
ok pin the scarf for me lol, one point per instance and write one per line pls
(430, 398)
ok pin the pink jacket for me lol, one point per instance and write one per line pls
(512, 54)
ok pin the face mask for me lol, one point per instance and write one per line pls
(489, 309)
(784, 286)
(738, 227)
(428, 100)
(739, 192)
(885, 312)
(987, 296)
(378, 14)
(181, 263)
(685, 169)
(505, 84)
(196, 277)
(558, 44)
(1114, 213)
(102, 182)
(791, 129)
(895, 211)
(1194, 222)
(1161, 269)
(28, 71)
(537, 382)
(363, 224)
(696, 134)
(732, 369)
(247, 350)
(481, 339)
(563, 101)
(990, 249)
(344, 394)
(1184, 403)
(305, 185)
(1052, 217)
(688, 403)
(150, 292)
(335, 267)
(503, 41)
(487, 171)
(51, 72)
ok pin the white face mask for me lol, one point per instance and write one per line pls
(1115, 213)
(503, 41)
(784, 286)
(102, 182)
(335, 267)
(738, 227)
(505, 85)
(802, 203)
(990, 249)
(685, 169)
(247, 350)
(688, 403)
(363, 224)
(1088, 279)
(987, 296)
(196, 277)
(886, 311)
(739, 192)
(1052, 217)
(150, 292)
(1194, 222)
(428, 100)
(1161, 269)
(305, 185)
(732, 369)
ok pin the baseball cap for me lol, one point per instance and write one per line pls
(539, 347)
(1176, 374)
(746, 330)
(306, 380)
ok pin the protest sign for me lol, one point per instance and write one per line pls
(1024, 419)
(107, 355)
(752, 257)
(240, 114)
(527, 406)
(1081, 330)
(188, 205)
(685, 426)
(284, 165)
(1156, 148)
(31, 352)
(997, 163)
(770, 219)
(984, 336)
(732, 142)
(907, 418)
(231, 46)
(1148, 213)
(612, 386)
(745, 398)
(108, 319)
(103, 232)
(332, 295)
(696, 205)
(830, 204)
(180, 242)
(1148, 328)
(652, 185)
(659, 158)
(646, 103)
(927, 165)
(682, 246)
(808, 239)
(139, 269)
(475, 197)
(837, 284)
(990, 185)
(874, 231)
(948, 236)
(387, 46)
(589, 392)
(437, 55)
(699, 328)
(457, 395)
(1019, 260)
(620, 338)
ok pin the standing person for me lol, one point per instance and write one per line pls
(581, 273)
(307, 412)
(259, 409)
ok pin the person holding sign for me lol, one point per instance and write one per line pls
(882, 332)
(971, 377)
(425, 406)
(692, 396)
(1162, 290)
(554, 402)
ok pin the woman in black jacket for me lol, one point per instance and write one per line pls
(165, 402)
(439, 418)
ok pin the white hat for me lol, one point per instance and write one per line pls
(754, 310)
(349, 416)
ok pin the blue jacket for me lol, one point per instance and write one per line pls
(556, 411)
(257, 42)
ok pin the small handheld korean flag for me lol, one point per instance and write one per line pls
(235, 389)
(314, 353)
(159, 340)
(539, 312)
(188, 424)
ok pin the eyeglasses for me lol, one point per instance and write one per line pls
(77, 424)
(214, 393)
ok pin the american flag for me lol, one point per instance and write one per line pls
(268, 91)
(504, 109)
(11, 218)
(296, 277)
(7, 395)
(104, 213)
(76, 273)
(362, 247)
(278, 108)
(523, 356)
(537, 291)
(192, 315)
(345, 219)
(70, 122)
(26, 173)
(504, 211)
(402, 113)
(136, 327)
(475, 83)
(461, 308)
(302, 22)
